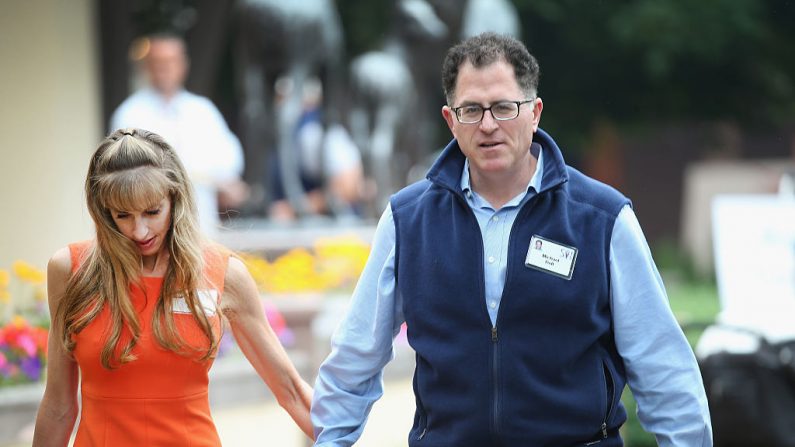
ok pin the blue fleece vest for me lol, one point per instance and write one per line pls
(547, 374)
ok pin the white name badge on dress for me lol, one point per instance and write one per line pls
(551, 257)
(207, 298)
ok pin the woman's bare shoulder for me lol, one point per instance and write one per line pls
(237, 274)
(60, 263)
(59, 269)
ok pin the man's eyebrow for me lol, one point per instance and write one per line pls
(475, 103)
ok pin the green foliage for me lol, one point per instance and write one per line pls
(664, 32)
(365, 23)
(672, 261)
(650, 61)
(156, 16)
(632, 432)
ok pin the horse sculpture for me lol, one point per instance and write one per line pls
(292, 39)
(387, 98)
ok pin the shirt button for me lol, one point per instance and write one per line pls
(495, 218)
(491, 259)
(493, 304)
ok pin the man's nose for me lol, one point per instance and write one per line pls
(488, 122)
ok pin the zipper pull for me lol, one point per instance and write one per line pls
(604, 430)
(494, 334)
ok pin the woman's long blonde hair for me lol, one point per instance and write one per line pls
(133, 169)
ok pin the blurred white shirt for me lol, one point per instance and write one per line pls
(327, 152)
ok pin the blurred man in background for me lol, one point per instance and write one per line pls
(191, 123)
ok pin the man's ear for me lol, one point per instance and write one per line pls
(538, 107)
(447, 114)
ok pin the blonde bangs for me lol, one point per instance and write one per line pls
(134, 189)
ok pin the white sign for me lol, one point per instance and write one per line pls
(754, 246)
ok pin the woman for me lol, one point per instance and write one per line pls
(136, 312)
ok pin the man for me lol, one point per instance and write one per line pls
(513, 347)
(211, 153)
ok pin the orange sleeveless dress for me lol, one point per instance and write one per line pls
(159, 399)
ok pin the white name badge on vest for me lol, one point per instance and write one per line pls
(551, 257)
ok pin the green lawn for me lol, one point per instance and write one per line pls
(695, 303)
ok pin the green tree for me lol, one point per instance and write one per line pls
(641, 61)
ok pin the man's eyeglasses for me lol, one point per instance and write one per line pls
(501, 111)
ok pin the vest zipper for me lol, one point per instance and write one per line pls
(610, 392)
(423, 423)
(495, 381)
(609, 386)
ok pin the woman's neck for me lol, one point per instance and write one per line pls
(155, 265)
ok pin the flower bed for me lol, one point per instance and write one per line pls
(294, 283)
(332, 264)
(24, 322)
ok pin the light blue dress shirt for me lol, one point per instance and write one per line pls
(661, 369)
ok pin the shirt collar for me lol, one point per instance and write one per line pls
(535, 180)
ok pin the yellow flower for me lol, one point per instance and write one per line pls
(332, 264)
(28, 272)
(4, 278)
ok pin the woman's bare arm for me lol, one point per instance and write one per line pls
(58, 409)
(243, 309)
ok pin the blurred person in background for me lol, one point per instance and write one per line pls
(514, 346)
(330, 163)
(136, 312)
(212, 154)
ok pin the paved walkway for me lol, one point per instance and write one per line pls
(268, 424)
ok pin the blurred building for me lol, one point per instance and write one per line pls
(50, 122)
(64, 67)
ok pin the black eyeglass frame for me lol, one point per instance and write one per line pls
(484, 109)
